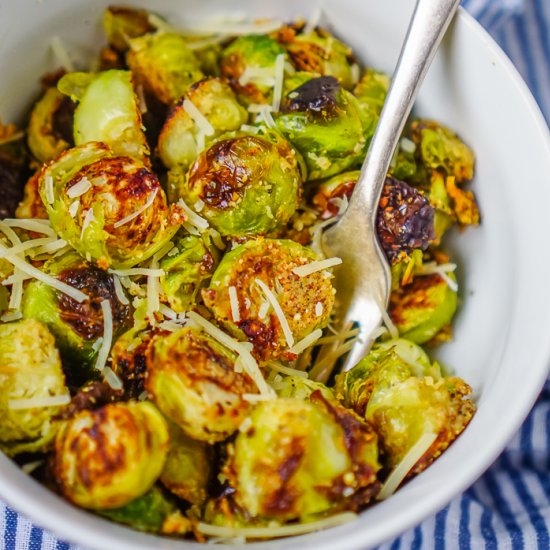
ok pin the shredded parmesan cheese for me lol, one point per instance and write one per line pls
(250, 129)
(27, 245)
(107, 340)
(112, 379)
(259, 107)
(314, 267)
(153, 293)
(171, 326)
(263, 309)
(9, 317)
(139, 211)
(46, 279)
(48, 186)
(61, 54)
(30, 467)
(276, 531)
(392, 329)
(407, 146)
(306, 342)
(318, 309)
(199, 205)
(248, 362)
(53, 246)
(168, 313)
(313, 21)
(37, 226)
(39, 402)
(256, 397)
(200, 120)
(79, 188)
(88, 219)
(279, 77)
(234, 302)
(278, 367)
(399, 473)
(200, 223)
(119, 291)
(134, 271)
(278, 312)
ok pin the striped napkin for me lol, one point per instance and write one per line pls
(509, 507)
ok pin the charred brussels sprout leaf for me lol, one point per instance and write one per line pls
(249, 184)
(76, 326)
(191, 378)
(271, 262)
(121, 23)
(320, 454)
(320, 53)
(326, 124)
(153, 513)
(164, 65)
(31, 376)
(187, 468)
(106, 458)
(44, 137)
(249, 64)
(110, 209)
(107, 111)
(404, 397)
(182, 139)
(186, 269)
(422, 308)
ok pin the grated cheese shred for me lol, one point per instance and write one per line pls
(107, 340)
(306, 342)
(279, 77)
(314, 267)
(278, 312)
(194, 219)
(139, 211)
(198, 118)
(234, 303)
(79, 188)
(39, 402)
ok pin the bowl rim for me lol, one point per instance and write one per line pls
(85, 530)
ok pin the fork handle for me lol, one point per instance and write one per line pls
(426, 29)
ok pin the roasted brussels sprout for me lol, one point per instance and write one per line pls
(320, 53)
(251, 268)
(77, 327)
(403, 403)
(164, 65)
(326, 124)
(191, 378)
(111, 209)
(439, 148)
(405, 220)
(152, 512)
(249, 65)
(320, 456)
(422, 308)
(371, 92)
(245, 184)
(106, 458)
(122, 23)
(187, 468)
(107, 111)
(182, 138)
(44, 137)
(32, 387)
(186, 269)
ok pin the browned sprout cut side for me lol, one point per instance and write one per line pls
(305, 301)
(192, 379)
(106, 458)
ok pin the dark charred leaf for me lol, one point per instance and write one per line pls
(317, 95)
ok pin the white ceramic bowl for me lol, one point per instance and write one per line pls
(502, 344)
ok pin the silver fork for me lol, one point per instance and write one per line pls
(363, 280)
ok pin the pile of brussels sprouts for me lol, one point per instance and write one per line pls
(167, 352)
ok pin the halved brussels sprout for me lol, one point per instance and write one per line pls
(106, 458)
(111, 209)
(31, 380)
(246, 184)
(122, 23)
(164, 65)
(299, 458)
(306, 302)
(249, 65)
(187, 468)
(439, 148)
(107, 111)
(182, 139)
(422, 308)
(320, 53)
(186, 269)
(191, 378)
(77, 327)
(371, 92)
(152, 512)
(44, 137)
(404, 398)
(326, 124)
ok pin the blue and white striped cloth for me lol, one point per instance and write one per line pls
(509, 507)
